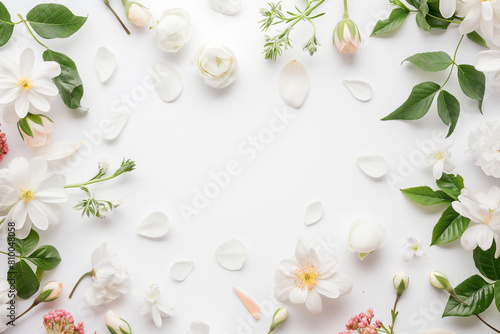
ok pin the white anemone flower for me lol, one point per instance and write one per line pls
(30, 196)
(484, 212)
(484, 143)
(153, 308)
(438, 157)
(307, 277)
(412, 247)
(480, 14)
(447, 8)
(25, 87)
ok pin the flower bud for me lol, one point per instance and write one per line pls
(115, 324)
(440, 281)
(401, 281)
(51, 291)
(137, 14)
(279, 316)
(40, 127)
(346, 37)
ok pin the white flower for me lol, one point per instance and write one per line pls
(365, 237)
(110, 279)
(30, 196)
(484, 212)
(447, 8)
(228, 7)
(217, 65)
(489, 61)
(480, 14)
(25, 87)
(484, 143)
(438, 157)
(307, 277)
(399, 278)
(412, 248)
(173, 30)
(153, 308)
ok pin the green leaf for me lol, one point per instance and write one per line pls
(39, 274)
(46, 257)
(23, 126)
(486, 262)
(6, 25)
(426, 196)
(431, 61)
(111, 330)
(451, 184)
(397, 17)
(417, 104)
(449, 227)
(54, 21)
(472, 82)
(25, 279)
(68, 82)
(497, 295)
(423, 10)
(476, 292)
(25, 246)
(476, 38)
(448, 109)
(437, 21)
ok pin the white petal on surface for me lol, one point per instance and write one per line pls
(105, 63)
(181, 270)
(251, 305)
(436, 331)
(293, 84)
(231, 255)
(488, 61)
(198, 327)
(167, 81)
(227, 7)
(361, 90)
(111, 127)
(155, 225)
(373, 165)
(314, 212)
(58, 150)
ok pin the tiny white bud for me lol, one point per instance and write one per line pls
(401, 281)
(279, 316)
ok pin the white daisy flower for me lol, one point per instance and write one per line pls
(438, 158)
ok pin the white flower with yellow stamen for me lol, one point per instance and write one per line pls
(25, 87)
(412, 247)
(153, 308)
(438, 158)
(482, 15)
(306, 278)
(30, 196)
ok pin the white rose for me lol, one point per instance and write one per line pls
(217, 64)
(365, 237)
(228, 7)
(173, 30)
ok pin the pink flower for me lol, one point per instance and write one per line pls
(138, 15)
(362, 323)
(4, 148)
(61, 322)
(346, 37)
(41, 132)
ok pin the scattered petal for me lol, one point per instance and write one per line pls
(249, 303)
(231, 255)
(167, 81)
(105, 63)
(314, 212)
(155, 225)
(294, 84)
(361, 90)
(181, 270)
(58, 150)
(227, 7)
(373, 165)
(198, 327)
(111, 127)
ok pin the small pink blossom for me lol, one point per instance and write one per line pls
(4, 148)
(363, 323)
(61, 322)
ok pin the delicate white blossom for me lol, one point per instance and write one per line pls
(173, 30)
(438, 158)
(365, 237)
(480, 14)
(153, 307)
(412, 248)
(217, 65)
(484, 143)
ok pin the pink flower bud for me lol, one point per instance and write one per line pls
(55, 289)
(41, 132)
(138, 15)
(346, 37)
(116, 323)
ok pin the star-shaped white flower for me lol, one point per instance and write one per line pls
(412, 247)
(438, 158)
(153, 307)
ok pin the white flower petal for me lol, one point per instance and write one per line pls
(167, 81)
(447, 8)
(231, 255)
(488, 61)
(471, 21)
(156, 316)
(111, 127)
(361, 90)
(313, 302)
(373, 165)
(328, 288)
(104, 63)
(155, 225)
(58, 150)
(46, 70)
(27, 61)
(293, 84)
(228, 7)
(37, 216)
(314, 212)
(22, 103)
(181, 270)
(437, 169)
(343, 283)
(38, 100)
(198, 327)
(298, 295)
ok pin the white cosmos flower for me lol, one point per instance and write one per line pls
(484, 212)
(412, 248)
(110, 279)
(217, 65)
(30, 196)
(153, 308)
(25, 87)
(307, 277)
(480, 14)
(438, 157)
(447, 8)
(484, 143)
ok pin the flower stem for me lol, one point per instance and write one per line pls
(90, 273)
(18, 256)
(78, 185)
(442, 19)
(346, 12)
(31, 33)
(117, 17)
(487, 324)
(454, 62)
(35, 303)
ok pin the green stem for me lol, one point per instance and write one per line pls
(402, 5)
(90, 273)
(78, 185)
(2, 221)
(442, 19)
(18, 256)
(454, 62)
(31, 33)
(487, 324)
(35, 303)
(309, 11)
(346, 12)
(117, 17)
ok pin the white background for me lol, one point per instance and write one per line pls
(177, 146)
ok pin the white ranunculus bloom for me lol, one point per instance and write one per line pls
(447, 8)
(110, 279)
(483, 209)
(365, 237)
(173, 30)
(26, 87)
(153, 308)
(438, 158)
(30, 196)
(307, 277)
(412, 247)
(228, 7)
(217, 65)
(484, 143)
(480, 14)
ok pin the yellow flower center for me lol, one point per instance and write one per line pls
(25, 83)
(27, 195)
(152, 300)
(415, 248)
(306, 277)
